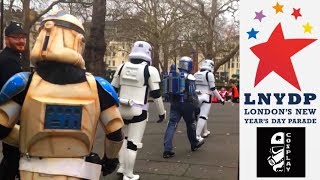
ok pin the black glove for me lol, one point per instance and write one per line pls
(109, 165)
(221, 102)
(161, 118)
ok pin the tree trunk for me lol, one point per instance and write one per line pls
(210, 54)
(26, 28)
(165, 57)
(209, 43)
(195, 61)
(156, 57)
(96, 45)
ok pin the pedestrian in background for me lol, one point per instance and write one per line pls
(10, 64)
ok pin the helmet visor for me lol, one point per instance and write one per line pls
(276, 149)
(185, 65)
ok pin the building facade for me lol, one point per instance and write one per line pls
(225, 72)
(116, 54)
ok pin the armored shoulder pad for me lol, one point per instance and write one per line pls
(210, 77)
(154, 74)
(108, 88)
(191, 77)
(199, 72)
(16, 84)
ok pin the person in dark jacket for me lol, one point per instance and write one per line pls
(10, 64)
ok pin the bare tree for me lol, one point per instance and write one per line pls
(173, 27)
(214, 40)
(180, 27)
(82, 9)
(96, 45)
(155, 21)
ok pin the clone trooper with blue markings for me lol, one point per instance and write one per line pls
(59, 107)
(134, 81)
(205, 87)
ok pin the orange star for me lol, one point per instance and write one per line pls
(278, 8)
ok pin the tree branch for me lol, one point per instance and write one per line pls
(33, 21)
(201, 11)
(226, 58)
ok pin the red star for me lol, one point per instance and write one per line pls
(275, 56)
(296, 13)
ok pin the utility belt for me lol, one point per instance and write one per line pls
(178, 98)
(132, 103)
(203, 92)
(73, 167)
(199, 92)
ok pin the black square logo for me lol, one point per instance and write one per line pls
(281, 152)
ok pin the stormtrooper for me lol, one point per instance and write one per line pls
(276, 158)
(59, 106)
(205, 88)
(134, 81)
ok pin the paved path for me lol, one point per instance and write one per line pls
(217, 159)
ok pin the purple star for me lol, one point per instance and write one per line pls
(259, 15)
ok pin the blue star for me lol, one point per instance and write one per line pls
(252, 34)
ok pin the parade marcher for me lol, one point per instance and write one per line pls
(10, 64)
(183, 103)
(205, 85)
(223, 93)
(229, 95)
(59, 106)
(133, 80)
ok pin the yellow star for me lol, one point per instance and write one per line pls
(307, 28)
(278, 8)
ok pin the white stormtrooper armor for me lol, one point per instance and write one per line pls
(205, 85)
(276, 158)
(133, 89)
(134, 80)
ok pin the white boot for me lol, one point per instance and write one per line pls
(206, 132)
(129, 165)
(122, 154)
(200, 125)
(135, 177)
(199, 138)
